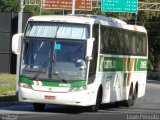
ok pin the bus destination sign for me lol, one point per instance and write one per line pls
(67, 4)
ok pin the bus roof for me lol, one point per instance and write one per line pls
(89, 19)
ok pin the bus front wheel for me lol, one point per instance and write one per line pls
(95, 108)
(39, 106)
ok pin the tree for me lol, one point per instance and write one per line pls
(150, 20)
(153, 25)
(9, 5)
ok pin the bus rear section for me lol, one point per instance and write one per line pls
(123, 63)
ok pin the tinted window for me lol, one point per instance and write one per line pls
(122, 42)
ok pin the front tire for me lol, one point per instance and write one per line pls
(39, 107)
(95, 108)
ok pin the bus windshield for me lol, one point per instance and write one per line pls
(54, 59)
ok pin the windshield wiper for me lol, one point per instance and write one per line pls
(59, 78)
(37, 73)
(65, 81)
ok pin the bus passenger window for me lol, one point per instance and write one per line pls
(137, 46)
(144, 45)
(133, 44)
(121, 42)
(140, 45)
(112, 41)
(107, 42)
(127, 44)
(118, 47)
(103, 40)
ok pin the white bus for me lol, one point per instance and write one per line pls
(81, 60)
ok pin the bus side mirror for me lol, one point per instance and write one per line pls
(16, 43)
(89, 48)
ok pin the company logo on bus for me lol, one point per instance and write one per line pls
(109, 64)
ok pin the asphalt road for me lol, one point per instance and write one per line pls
(145, 108)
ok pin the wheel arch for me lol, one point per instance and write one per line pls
(100, 90)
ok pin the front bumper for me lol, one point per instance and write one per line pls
(78, 98)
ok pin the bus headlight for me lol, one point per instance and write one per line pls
(73, 89)
(25, 85)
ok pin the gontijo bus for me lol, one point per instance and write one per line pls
(81, 60)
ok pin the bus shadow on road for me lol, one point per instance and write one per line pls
(110, 108)
(78, 109)
(64, 109)
(67, 109)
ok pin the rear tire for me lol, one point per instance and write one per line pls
(95, 108)
(136, 91)
(39, 107)
(131, 99)
(135, 94)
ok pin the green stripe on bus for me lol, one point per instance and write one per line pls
(61, 84)
(77, 83)
(140, 65)
(26, 80)
(110, 64)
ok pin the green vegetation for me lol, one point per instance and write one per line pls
(149, 19)
(7, 84)
(7, 87)
(153, 76)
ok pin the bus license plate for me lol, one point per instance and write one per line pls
(49, 97)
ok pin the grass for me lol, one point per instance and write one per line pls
(7, 87)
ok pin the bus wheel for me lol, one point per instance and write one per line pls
(136, 91)
(131, 99)
(135, 94)
(39, 106)
(95, 108)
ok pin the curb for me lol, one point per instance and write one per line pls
(6, 104)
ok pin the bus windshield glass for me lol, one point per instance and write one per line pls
(54, 59)
(57, 30)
